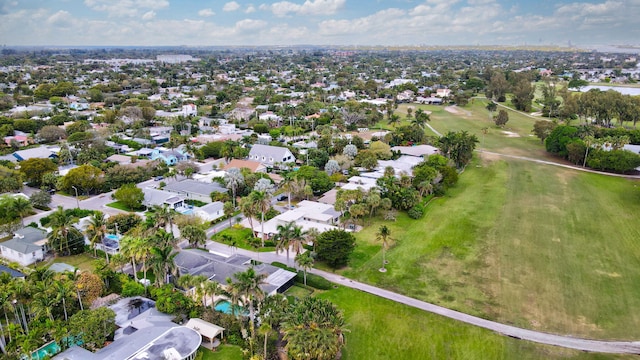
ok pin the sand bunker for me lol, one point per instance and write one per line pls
(510, 134)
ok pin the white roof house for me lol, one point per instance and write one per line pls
(417, 150)
(271, 155)
(210, 212)
(308, 215)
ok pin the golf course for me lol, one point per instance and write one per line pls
(532, 245)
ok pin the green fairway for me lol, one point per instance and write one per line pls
(381, 329)
(515, 138)
(531, 245)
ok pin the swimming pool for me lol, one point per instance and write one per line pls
(111, 241)
(225, 307)
(51, 348)
(45, 352)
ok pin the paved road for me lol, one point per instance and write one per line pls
(613, 347)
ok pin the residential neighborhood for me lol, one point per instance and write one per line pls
(186, 203)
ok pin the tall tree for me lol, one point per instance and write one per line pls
(289, 236)
(383, 235)
(96, 230)
(249, 283)
(194, 234)
(305, 261)
(162, 263)
(233, 179)
(261, 201)
(420, 119)
(21, 207)
(35, 168)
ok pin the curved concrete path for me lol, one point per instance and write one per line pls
(613, 347)
(573, 167)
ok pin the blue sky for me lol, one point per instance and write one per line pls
(318, 22)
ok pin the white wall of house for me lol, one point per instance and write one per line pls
(22, 259)
(207, 216)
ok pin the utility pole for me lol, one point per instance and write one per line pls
(77, 200)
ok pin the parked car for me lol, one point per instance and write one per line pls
(158, 178)
(282, 197)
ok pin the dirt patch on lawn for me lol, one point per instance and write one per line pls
(511, 134)
(457, 111)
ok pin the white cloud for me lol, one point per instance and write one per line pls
(61, 18)
(250, 9)
(231, 6)
(131, 8)
(206, 12)
(309, 7)
(149, 15)
(250, 25)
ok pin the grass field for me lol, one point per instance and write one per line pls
(381, 329)
(536, 246)
(84, 262)
(514, 138)
(223, 352)
(241, 237)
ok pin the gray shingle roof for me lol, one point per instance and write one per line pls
(40, 152)
(219, 268)
(25, 239)
(189, 186)
(268, 152)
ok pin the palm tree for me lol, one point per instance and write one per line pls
(163, 216)
(211, 288)
(265, 329)
(289, 236)
(228, 209)
(130, 247)
(233, 179)
(233, 292)
(313, 329)
(261, 201)
(420, 119)
(288, 185)
(383, 235)
(63, 291)
(96, 230)
(21, 207)
(162, 238)
(62, 227)
(249, 211)
(394, 119)
(305, 261)
(194, 234)
(162, 263)
(43, 301)
(249, 284)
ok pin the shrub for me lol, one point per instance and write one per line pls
(132, 288)
(416, 212)
(314, 280)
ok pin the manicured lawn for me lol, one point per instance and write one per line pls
(298, 292)
(223, 352)
(515, 138)
(382, 329)
(531, 245)
(241, 236)
(120, 206)
(83, 262)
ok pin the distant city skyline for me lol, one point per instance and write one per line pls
(317, 22)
